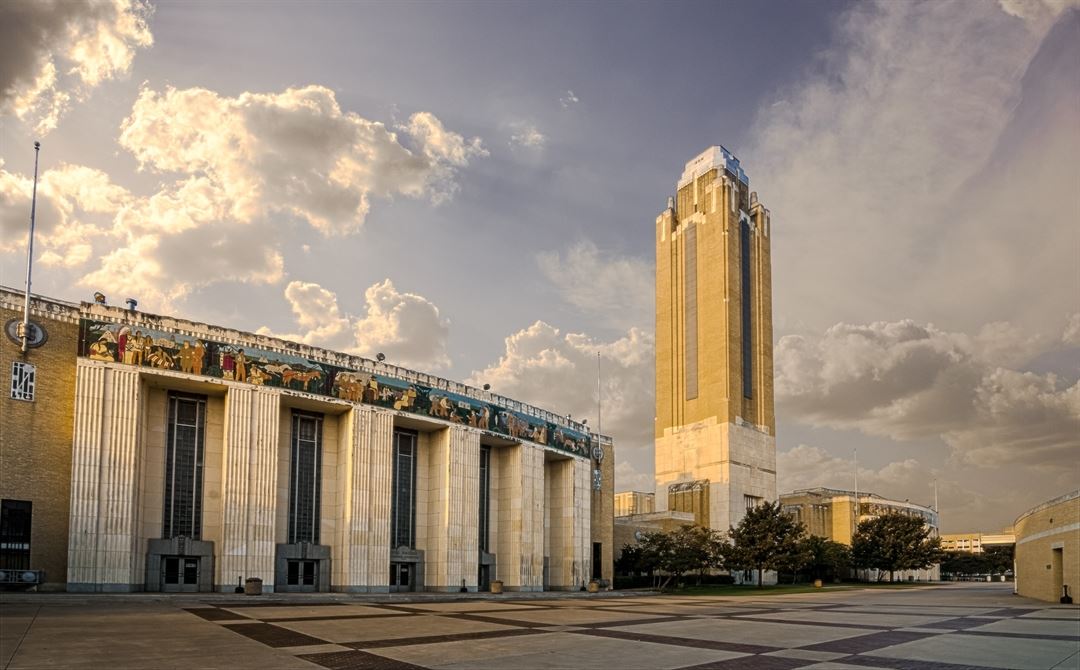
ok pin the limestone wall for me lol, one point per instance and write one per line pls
(1048, 549)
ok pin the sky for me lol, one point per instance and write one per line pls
(471, 189)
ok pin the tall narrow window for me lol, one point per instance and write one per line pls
(403, 515)
(22, 380)
(305, 478)
(746, 303)
(15, 518)
(184, 467)
(483, 534)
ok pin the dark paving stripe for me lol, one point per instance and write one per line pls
(753, 663)
(865, 643)
(279, 603)
(961, 623)
(1011, 611)
(273, 636)
(214, 614)
(432, 639)
(810, 622)
(337, 617)
(627, 622)
(1024, 636)
(682, 641)
(903, 663)
(494, 619)
(356, 660)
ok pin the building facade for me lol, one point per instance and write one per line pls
(628, 503)
(715, 424)
(974, 543)
(834, 515)
(199, 457)
(1048, 549)
(35, 441)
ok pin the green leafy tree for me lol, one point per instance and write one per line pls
(894, 541)
(765, 539)
(686, 550)
(825, 557)
(999, 559)
(699, 549)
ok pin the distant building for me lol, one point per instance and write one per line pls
(1048, 549)
(141, 452)
(831, 513)
(974, 543)
(629, 529)
(715, 424)
(634, 502)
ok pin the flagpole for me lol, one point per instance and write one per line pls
(25, 335)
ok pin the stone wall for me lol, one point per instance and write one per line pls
(1048, 549)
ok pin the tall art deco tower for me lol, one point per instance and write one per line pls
(715, 427)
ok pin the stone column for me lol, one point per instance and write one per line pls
(104, 552)
(454, 476)
(249, 486)
(520, 542)
(361, 547)
(568, 508)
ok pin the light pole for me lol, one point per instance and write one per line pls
(24, 333)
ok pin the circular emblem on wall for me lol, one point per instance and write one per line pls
(37, 333)
(598, 453)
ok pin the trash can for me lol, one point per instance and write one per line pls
(253, 586)
(594, 586)
(496, 586)
(817, 583)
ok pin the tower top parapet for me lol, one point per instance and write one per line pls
(713, 157)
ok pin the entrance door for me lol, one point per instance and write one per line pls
(402, 577)
(484, 578)
(303, 575)
(180, 574)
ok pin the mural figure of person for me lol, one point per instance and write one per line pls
(241, 366)
(121, 345)
(99, 351)
(227, 366)
(135, 349)
(198, 352)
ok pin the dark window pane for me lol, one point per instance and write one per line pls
(403, 514)
(484, 529)
(15, 521)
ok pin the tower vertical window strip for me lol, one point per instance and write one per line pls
(403, 515)
(690, 323)
(182, 508)
(305, 480)
(747, 309)
(483, 530)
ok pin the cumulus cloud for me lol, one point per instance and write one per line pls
(69, 199)
(406, 327)
(617, 288)
(909, 381)
(294, 152)
(912, 161)
(556, 370)
(57, 50)
(525, 134)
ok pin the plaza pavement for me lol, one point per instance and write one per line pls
(948, 627)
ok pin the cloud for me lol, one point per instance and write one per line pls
(1072, 331)
(619, 289)
(66, 226)
(294, 152)
(909, 381)
(557, 371)
(568, 99)
(92, 41)
(894, 169)
(525, 134)
(407, 328)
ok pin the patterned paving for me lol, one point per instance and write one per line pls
(706, 633)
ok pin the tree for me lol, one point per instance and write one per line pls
(765, 539)
(826, 557)
(894, 542)
(686, 550)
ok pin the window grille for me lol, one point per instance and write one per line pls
(484, 530)
(403, 516)
(15, 520)
(23, 376)
(305, 479)
(184, 467)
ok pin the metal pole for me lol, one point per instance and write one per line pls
(856, 527)
(25, 335)
(599, 426)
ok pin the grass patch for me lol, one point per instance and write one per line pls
(786, 589)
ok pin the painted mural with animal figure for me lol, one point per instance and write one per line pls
(150, 348)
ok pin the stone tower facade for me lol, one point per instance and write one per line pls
(715, 424)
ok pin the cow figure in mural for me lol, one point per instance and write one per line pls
(305, 377)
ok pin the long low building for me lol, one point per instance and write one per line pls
(144, 452)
